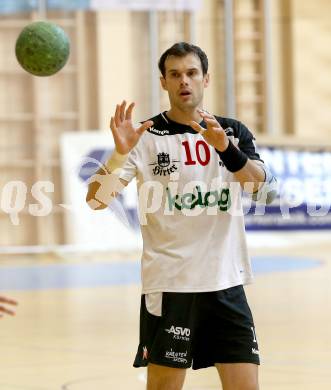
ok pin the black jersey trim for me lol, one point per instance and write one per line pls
(164, 126)
(164, 117)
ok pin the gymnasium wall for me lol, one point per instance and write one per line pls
(311, 26)
(301, 67)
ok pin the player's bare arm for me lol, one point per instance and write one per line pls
(214, 134)
(105, 184)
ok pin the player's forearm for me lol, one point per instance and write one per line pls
(247, 172)
(94, 201)
(257, 180)
(103, 189)
(105, 184)
(251, 177)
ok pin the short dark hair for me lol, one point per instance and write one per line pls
(181, 49)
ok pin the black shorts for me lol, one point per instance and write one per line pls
(206, 328)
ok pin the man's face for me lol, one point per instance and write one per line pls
(184, 81)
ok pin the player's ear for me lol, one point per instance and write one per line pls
(206, 78)
(163, 83)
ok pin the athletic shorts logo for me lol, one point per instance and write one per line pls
(179, 333)
(179, 357)
(255, 351)
(164, 166)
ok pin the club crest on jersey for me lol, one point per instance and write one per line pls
(163, 159)
(164, 166)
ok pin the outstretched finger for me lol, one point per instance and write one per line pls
(114, 130)
(212, 121)
(6, 311)
(113, 126)
(195, 126)
(144, 126)
(205, 113)
(117, 115)
(7, 300)
(122, 110)
(128, 114)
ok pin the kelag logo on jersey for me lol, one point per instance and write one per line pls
(220, 198)
(125, 210)
(162, 167)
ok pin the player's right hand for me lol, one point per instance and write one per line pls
(125, 134)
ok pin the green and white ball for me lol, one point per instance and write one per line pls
(42, 48)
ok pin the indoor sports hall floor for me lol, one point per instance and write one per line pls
(77, 323)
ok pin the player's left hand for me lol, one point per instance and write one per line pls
(214, 134)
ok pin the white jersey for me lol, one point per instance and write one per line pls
(190, 209)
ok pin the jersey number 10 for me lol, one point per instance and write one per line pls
(198, 148)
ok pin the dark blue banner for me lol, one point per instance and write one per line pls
(304, 200)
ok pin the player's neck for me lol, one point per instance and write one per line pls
(184, 117)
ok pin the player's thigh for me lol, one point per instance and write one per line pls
(164, 378)
(238, 376)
